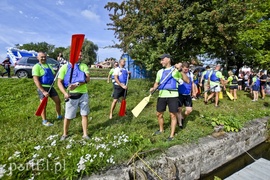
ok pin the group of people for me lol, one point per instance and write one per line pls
(73, 88)
(176, 85)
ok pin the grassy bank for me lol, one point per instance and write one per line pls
(29, 149)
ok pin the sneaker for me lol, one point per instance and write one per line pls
(193, 99)
(63, 137)
(46, 123)
(59, 117)
(86, 137)
(158, 132)
(253, 100)
(169, 138)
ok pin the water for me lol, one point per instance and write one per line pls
(260, 151)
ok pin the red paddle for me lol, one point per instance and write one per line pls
(122, 110)
(41, 106)
(76, 45)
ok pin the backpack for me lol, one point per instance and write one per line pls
(234, 81)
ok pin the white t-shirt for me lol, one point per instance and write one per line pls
(118, 72)
(189, 75)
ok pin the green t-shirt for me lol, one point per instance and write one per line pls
(168, 93)
(37, 70)
(111, 71)
(83, 67)
(219, 75)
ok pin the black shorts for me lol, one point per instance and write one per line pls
(185, 100)
(171, 102)
(233, 87)
(240, 82)
(52, 92)
(118, 92)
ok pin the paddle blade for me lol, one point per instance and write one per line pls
(229, 95)
(41, 107)
(76, 46)
(122, 111)
(138, 109)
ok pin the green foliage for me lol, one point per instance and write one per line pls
(25, 142)
(235, 32)
(230, 123)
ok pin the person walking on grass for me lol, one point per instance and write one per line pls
(215, 79)
(204, 82)
(120, 84)
(167, 84)
(263, 78)
(255, 87)
(76, 94)
(185, 98)
(6, 63)
(111, 76)
(43, 76)
(233, 85)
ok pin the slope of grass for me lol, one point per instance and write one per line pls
(24, 141)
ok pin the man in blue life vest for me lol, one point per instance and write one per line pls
(215, 79)
(204, 81)
(167, 84)
(185, 98)
(120, 85)
(76, 94)
(43, 76)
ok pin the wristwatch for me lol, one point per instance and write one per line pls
(77, 84)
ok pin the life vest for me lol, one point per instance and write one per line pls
(206, 76)
(214, 77)
(48, 76)
(234, 80)
(77, 75)
(123, 77)
(257, 83)
(169, 83)
(185, 88)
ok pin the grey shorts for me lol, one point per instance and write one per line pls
(73, 104)
(52, 92)
(216, 89)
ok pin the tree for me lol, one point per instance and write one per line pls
(186, 29)
(40, 46)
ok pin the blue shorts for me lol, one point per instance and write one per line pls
(73, 104)
(255, 88)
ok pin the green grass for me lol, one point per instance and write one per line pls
(23, 139)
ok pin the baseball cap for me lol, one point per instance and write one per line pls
(165, 55)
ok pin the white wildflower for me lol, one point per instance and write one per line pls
(35, 156)
(51, 137)
(81, 164)
(38, 147)
(68, 146)
(2, 170)
(49, 155)
(101, 154)
(53, 143)
(87, 157)
(69, 154)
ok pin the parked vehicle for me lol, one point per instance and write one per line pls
(23, 67)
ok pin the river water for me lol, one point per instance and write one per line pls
(260, 151)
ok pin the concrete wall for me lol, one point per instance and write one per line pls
(191, 160)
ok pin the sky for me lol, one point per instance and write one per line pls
(54, 22)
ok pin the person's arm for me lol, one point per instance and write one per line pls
(155, 86)
(185, 77)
